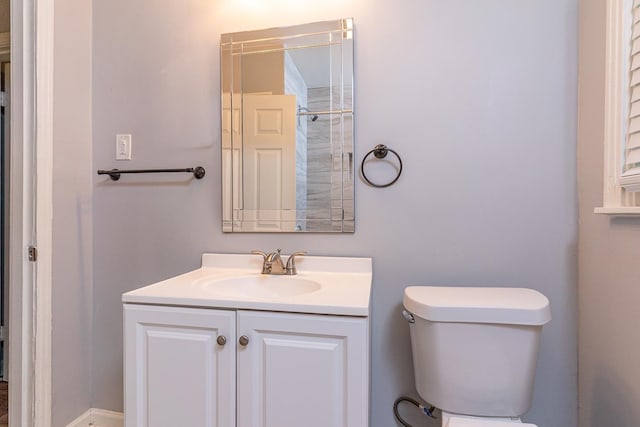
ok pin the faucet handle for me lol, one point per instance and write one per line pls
(291, 263)
(259, 253)
(266, 267)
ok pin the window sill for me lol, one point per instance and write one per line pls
(619, 211)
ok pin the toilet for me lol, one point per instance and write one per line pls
(475, 351)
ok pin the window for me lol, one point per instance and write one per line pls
(630, 179)
(622, 109)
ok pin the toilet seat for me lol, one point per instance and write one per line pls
(475, 422)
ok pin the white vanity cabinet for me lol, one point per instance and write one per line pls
(302, 370)
(176, 373)
(272, 369)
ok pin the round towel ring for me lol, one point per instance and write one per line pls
(380, 151)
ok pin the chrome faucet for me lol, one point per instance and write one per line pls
(272, 263)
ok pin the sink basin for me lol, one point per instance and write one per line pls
(260, 286)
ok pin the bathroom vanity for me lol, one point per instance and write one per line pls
(227, 346)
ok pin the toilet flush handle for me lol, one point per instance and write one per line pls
(408, 316)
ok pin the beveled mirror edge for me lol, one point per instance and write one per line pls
(344, 24)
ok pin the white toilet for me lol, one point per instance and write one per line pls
(475, 351)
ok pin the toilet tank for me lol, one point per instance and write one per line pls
(475, 348)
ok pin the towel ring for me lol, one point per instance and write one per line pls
(380, 151)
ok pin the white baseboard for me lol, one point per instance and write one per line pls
(98, 418)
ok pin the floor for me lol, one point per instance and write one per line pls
(4, 403)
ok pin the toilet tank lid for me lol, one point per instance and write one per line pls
(515, 306)
(475, 422)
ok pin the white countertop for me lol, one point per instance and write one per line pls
(345, 286)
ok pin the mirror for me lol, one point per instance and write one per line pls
(287, 129)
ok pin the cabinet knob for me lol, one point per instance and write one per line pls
(244, 340)
(222, 340)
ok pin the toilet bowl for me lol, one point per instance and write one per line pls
(475, 351)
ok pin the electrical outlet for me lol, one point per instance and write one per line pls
(123, 147)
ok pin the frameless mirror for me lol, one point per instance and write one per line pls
(287, 129)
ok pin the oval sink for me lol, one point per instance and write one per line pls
(261, 286)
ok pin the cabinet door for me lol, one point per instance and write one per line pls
(302, 370)
(176, 373)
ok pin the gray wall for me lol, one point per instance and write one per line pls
(72, 189)
(478, 97)
(609, 385)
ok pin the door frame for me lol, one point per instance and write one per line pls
(5, 75)
(31, 209)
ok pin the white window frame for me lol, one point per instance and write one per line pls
(616, 200)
